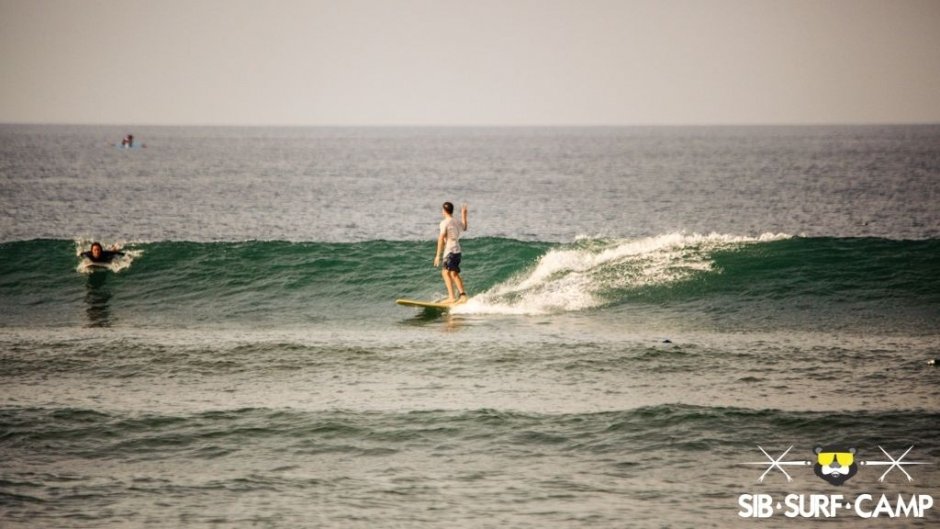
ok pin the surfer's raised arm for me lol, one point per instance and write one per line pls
(463, 217)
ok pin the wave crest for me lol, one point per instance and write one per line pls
(585, 274)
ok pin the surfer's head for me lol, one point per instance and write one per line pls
(448, 208)
(96, 249)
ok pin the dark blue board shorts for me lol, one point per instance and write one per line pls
(452, 262)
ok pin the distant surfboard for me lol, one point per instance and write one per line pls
(434, 305)
(88, 264)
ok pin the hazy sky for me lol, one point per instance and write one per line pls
(469, 62)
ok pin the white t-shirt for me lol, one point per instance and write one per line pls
(451, 229)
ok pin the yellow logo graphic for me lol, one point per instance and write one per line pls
(835, 464)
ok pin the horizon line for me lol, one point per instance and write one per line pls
(480, 125)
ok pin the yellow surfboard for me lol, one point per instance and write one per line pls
(436, 305)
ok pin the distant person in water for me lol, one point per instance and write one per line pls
(448, 247)
(99, 255)
(128, 141)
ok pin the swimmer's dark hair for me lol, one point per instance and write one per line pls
(449, 208)
(98, 244)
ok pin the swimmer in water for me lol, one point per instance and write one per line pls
(99, 255)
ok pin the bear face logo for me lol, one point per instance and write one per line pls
(835, 464)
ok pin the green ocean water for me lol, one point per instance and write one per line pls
(844, 283)
(651, 308)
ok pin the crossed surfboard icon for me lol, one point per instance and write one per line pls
(779, 463)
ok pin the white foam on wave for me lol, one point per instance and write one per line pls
(576, 277)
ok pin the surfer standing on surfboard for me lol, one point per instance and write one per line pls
(448, 245)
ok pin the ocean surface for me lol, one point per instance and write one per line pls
(650, 309)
